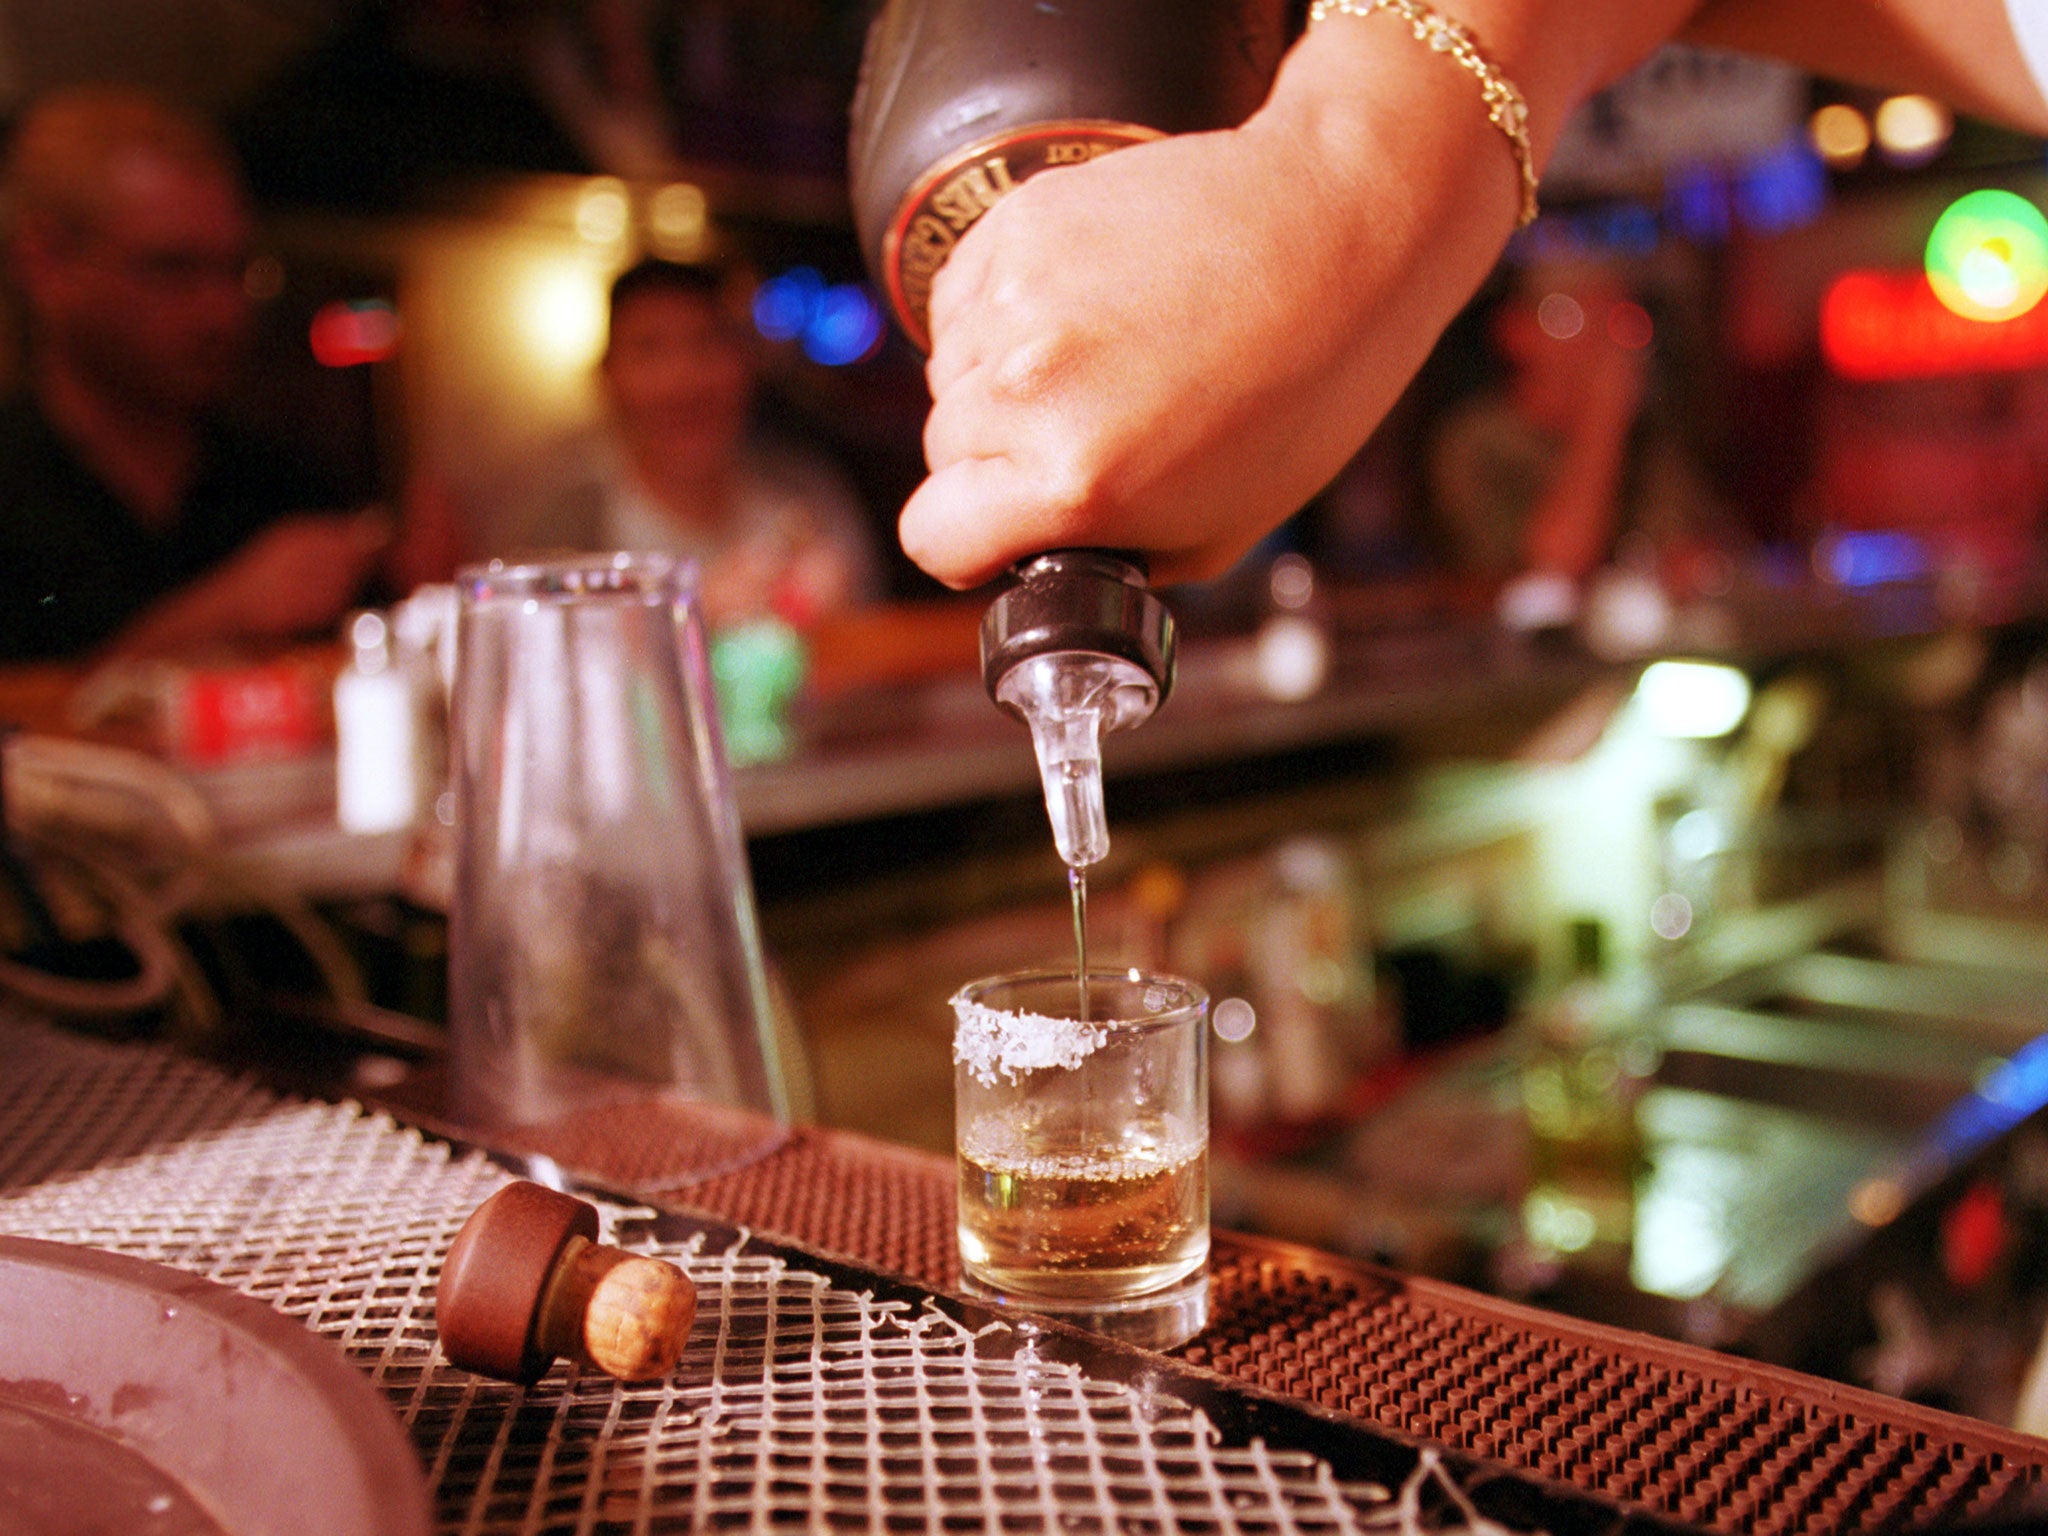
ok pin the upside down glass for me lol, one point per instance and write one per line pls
(603, 942)
(1084, 1149)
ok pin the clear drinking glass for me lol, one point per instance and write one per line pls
(603, 942)
(1083, 1140)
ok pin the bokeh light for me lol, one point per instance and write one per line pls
(1671, 916)
(1291, 581)
(1912, 130)
(837, 324)
(1561, 316)
(784, 303)
(347, 334)
(1235, 1019)
(1698, 699)
(1987, 256)
(677, 217)
(1784, 189)
(603, 211)
(845, 327)
(1629, 326)
(1840, 135)
(1892, 325)
(562, 313)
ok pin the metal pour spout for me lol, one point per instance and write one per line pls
(1078, 647)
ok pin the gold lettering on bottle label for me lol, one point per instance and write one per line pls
(973, 192)
(947, 200)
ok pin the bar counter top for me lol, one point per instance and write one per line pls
(339, 1215)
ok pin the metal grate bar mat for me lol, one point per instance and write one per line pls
(1705, 1438)
(812, 1396)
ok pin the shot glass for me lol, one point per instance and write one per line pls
(1083, 1137)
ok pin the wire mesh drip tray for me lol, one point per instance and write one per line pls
(813, 1395)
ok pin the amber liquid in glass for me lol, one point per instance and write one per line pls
(1037, 1218)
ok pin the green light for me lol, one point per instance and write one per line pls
(1987, 257)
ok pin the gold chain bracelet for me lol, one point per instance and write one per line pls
(1505, 107)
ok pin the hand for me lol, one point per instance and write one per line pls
(1173, 347)
(296, 577)
(300, 574)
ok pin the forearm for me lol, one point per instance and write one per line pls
(1962, 51)
(191, 618)
(295, 578)
(1573, 522)
(1416, 191)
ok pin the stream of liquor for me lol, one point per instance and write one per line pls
(1065, 702)
(1077, 885)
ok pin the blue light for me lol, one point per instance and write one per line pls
(844, 327)
(1871, 559)
(1696, 202)
(2014, 1091)
(1783, 189)
(785, 305)
(838, 325)
(1624, 228)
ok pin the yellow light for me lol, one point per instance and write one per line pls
(1695, 699)
(561, 313)
(1913, 129)
(1840, 135)
(1877, 1201)
(676, 218)
(1987, 256)
(1988, 277)
(603, 211)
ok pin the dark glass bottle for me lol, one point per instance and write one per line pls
(961, 100)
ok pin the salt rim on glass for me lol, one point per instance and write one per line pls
(993, 1040)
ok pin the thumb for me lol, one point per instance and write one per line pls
(971, 519)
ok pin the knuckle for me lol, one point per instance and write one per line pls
(1033, 368)
(1068, 490)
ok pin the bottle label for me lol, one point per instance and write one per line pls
(946, 201)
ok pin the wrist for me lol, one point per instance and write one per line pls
(1391, 142)
(1505, 106)
(1379, 124)
(1556, 53)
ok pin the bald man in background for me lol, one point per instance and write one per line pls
(133, 520)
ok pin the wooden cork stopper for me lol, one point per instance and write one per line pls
(526, 1281)
(626, 1314)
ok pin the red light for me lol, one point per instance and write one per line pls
(1628, 326)
(1890, 325)
(345, 335)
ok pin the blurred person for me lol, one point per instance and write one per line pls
(133, 519)
(1171, 348)
(675, 470)
(1542, 475)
